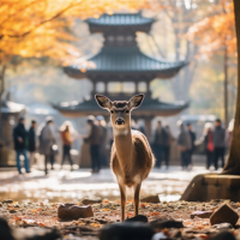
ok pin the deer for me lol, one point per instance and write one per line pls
(131, 156)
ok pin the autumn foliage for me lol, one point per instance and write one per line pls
(217, 31)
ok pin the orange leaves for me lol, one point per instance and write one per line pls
(154, 214)
(95, 225)
(129, 215)
(143, 205)
(106, 209)
(215, 32)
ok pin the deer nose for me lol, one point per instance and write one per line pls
(119, 121)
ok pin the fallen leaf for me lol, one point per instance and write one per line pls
(155, 214)
(96, 225)
(106, 209)
(129, 215)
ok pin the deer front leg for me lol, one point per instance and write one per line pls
(136, 197)
(123, 199)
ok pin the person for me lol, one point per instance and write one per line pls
(32, 142)
(167, 145)
(20, 144)
(184, 145)
(219, 143)
(103, 133)
(208, 143)
(48, 142)
(94, 139)
(160, 138)
(193, 139)
(67, 142)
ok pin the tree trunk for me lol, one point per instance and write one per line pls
(233, 162)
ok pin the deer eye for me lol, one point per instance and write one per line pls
(127, 111)
(112, 112)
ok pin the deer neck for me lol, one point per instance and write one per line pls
(124, 147)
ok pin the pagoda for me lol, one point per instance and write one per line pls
(120, 63)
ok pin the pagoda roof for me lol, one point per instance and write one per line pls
(9, 107)
(121, 19)
(125, 60)
(150, 107)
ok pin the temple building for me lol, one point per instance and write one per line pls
(121, 70)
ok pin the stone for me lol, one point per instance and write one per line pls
(71, 211)
(7, 201)
(151, 199)
(163, 223)
(127, 230)
(222, 226)
(12, 211)
(87, 201)
(138, 218)
(159, 236)
(5, 230)
(223, 236)
(201, 214)
(224, 214)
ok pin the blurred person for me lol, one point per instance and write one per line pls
(167, 146)
(20, 144)
(47, 140)
(68, 135)
(184, 145)
(160, 137)
(103, 132)
(94, 139)
(219, 143)
(193, 139)
(208, 144)
(32, 142)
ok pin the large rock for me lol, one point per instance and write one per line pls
(5, 230)
(223, 236)
(87, 201)
(71, 211)
(225, 214)
(201, 214)
(163, 223)
(127, 230)
(150, 199)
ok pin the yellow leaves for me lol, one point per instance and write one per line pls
(105, 209)
(215, 32)
(95, 225)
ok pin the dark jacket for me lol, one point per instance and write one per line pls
(31, 140)
(184, 139)
(160, 138)
(95, 135)
(20, 131)
(193, 138)
(219, 137)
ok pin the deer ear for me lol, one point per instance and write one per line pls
(136, 101)
(103, 101)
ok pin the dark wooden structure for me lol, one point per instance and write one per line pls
(121, 62)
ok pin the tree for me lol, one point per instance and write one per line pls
(233, 163)
(216, 35)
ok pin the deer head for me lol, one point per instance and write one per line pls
(120, 111)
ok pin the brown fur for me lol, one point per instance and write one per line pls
(131, 155)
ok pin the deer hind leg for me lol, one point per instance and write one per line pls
(137, 188)
(123, 199)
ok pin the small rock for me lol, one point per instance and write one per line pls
(224, 214)
(87, 201)
(127, 230)
(7, 201)
(201, 214)
(71, 211)
(0, 205)
(151, 199)
(12, 211)
(163, 223)
(223, 226)
(159, 236)
(223, 236)
(138, 218)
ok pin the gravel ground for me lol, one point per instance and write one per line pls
(44, 216)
